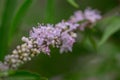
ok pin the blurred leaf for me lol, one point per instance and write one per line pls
(93, 42)
(113, 25)
(6, 73)
(18, 17)
(89, 33)
(73, 3)
(24, 75)
(109, 64)
(49, 11)
(7, 17)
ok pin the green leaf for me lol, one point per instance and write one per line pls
(112, 25)
(89, 34)
(93, 42)
(7, 16)
(24, 75)
(49, 14)
(18, 17)
(6, 73)
(73, 3)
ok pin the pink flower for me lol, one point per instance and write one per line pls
(77, 17)
(92, 15)
(62, 36)
(67, 42)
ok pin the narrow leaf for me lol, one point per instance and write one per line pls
(73, 3)
(7, 16)
(113, 25)
(18, 17)
(93, 42)
(24, 75)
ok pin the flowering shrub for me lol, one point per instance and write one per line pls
(62, 35)
(84, 33)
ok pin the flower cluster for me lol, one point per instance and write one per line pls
(67, 36)
(62, 35)
(3, 67)
(88, 14)
(41, 38)
(22, 53)
(87, 17)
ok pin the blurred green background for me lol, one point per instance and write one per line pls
(86, 62)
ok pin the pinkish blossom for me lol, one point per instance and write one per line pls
(62, 35)
(88, 15)
(77, 17)
(92, 15)
(57, 36)
(67, 42)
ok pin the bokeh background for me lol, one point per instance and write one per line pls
(86, 62)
